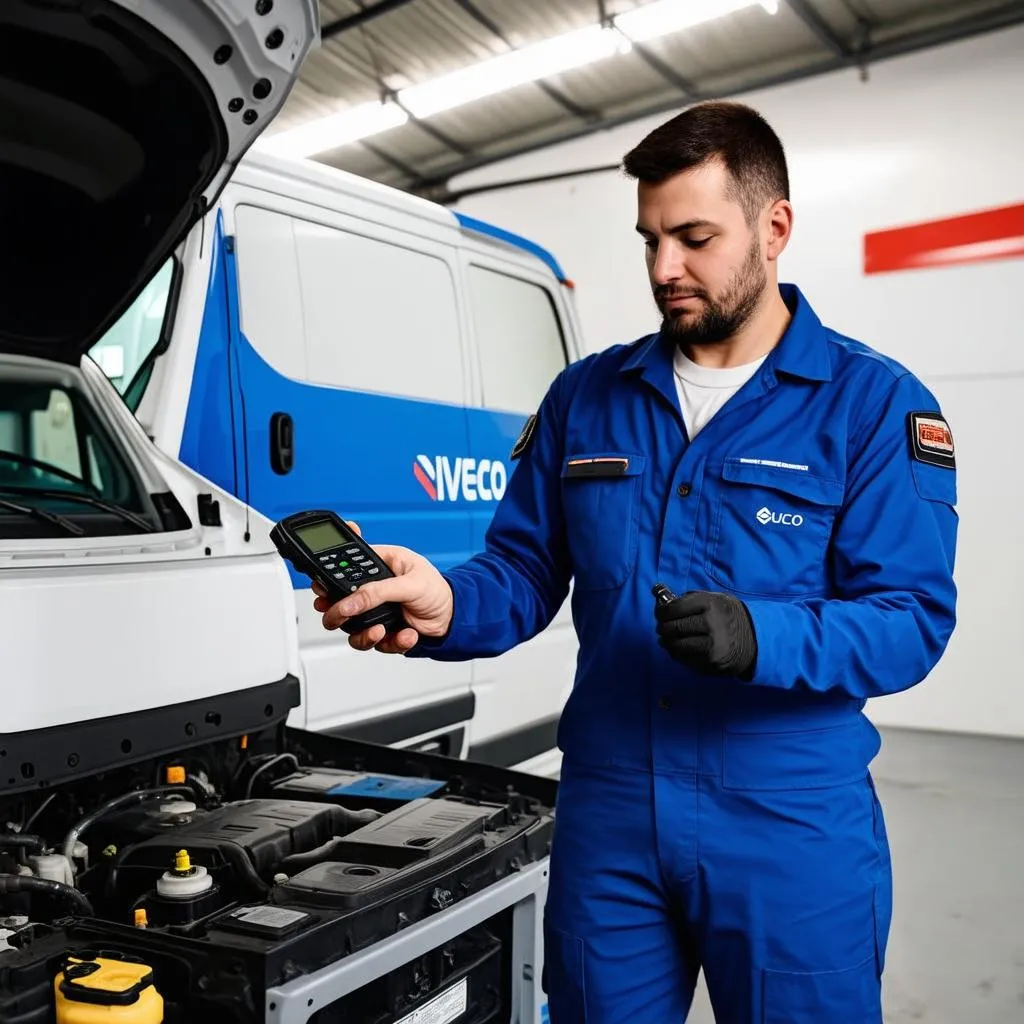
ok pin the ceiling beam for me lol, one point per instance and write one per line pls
(555, 94)
(434, 132)
(351, 21)
(655, 63)
(821, 29)
(435, 186)
(384, 157)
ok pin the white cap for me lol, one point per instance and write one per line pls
(178, 887)
(178, 808)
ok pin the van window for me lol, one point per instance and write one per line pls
(270, 301)
(379, 316)
(57, 459)
(122, 351)
(519, 336)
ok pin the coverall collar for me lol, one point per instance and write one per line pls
(801, 352)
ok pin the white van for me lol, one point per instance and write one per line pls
(321, 341)
(169, 849)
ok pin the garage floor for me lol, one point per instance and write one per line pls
(955, 812)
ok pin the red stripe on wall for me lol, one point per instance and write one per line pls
(971, 238)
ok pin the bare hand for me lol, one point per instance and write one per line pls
(423, 593)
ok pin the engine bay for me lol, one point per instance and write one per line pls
(208, 877)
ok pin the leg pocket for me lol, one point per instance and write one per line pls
(852, 996)
(564, 979)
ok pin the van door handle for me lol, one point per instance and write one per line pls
(282, 443)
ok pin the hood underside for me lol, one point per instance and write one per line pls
(116, 130)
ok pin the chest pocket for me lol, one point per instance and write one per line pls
(771, 529)
(601, 498)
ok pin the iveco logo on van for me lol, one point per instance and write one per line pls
(766, 516)
(447, 479)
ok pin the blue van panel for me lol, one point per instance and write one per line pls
(208, 436)
(492, 231)
(414, 473)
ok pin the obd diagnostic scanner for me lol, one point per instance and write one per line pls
(321, 546)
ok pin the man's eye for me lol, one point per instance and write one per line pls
(650, 243)
(698, 243)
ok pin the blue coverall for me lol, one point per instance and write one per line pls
(711, 821)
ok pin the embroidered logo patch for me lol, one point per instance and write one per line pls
(931, 440)
(524, 438)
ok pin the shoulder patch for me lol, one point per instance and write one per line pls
(931, 440)
(525, 437)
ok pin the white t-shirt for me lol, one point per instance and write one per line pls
(704, 390)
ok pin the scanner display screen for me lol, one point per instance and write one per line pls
(320, 536)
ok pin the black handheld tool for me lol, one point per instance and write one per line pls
(321, 546)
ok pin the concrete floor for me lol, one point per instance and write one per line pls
(954, 808)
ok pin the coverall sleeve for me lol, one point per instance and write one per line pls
(892, 553)
(513, 589)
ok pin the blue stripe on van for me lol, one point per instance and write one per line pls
(492, 231)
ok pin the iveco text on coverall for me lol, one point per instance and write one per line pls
(710, 821)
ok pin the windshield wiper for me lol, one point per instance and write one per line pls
(49, 517)
(85, 499)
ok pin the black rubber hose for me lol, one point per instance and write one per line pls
(22, 842)
(126, 799)
(12, 884)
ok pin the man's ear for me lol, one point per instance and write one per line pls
(778, 228)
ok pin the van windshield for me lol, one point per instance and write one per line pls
(124, 352)
(59, 466)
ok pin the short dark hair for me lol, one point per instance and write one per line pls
(717, 129)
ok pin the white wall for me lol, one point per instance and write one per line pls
(932, 135)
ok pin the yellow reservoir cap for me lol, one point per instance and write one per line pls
(175, 775)
(182, 862)
(106, 989)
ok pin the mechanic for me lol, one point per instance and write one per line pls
(797, 489)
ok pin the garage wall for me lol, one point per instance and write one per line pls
(933, 136)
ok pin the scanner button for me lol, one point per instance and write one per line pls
(326, 558)
(372, 572)
(356, 575)
(339, 575)
(330, 565)
(351, 551)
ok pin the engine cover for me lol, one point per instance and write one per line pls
(240, 844)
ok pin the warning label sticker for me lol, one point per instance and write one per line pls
(270, 917)
(447, 1007)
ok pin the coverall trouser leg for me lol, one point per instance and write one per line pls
(783, 897)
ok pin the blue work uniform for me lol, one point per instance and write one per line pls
(716, 822)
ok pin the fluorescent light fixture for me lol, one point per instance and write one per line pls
(335, 130)
(667, 16)
(550, 57)
(518, 67)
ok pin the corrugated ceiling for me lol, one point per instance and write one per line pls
(377, 46)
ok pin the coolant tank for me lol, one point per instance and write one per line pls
(94, 989)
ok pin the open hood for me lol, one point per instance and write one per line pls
(120, 121)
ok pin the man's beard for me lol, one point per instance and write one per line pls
(721, 318)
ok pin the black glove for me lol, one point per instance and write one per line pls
(711, 633)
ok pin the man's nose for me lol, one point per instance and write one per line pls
(668, 265)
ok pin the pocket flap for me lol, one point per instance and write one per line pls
(606, 465)
(798, 482)
(934, 483)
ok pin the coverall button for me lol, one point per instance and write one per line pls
(683, 490)
(665, 703)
